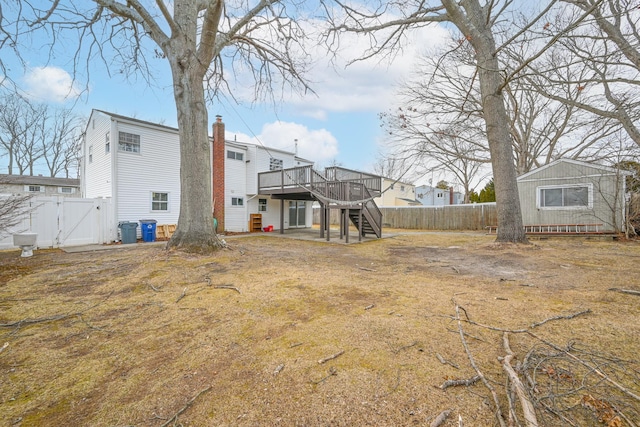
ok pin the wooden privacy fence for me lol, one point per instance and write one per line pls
(475, 216)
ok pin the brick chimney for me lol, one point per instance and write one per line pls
(451, 198)
(217, 174)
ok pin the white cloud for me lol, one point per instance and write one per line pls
(317, 145)
(50, 84)
(341, 85)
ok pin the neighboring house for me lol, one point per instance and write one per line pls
(137, 164)
(39, 185)
(396, 193)
(569, 192)
(433, 196)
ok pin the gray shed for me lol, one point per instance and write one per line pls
(574, 196)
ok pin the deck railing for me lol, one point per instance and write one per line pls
(336, 183)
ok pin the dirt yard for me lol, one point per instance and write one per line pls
(281, 332)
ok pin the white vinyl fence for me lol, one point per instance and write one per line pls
(65, 221)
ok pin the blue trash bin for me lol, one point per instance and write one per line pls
(128, 231)
(148, 230)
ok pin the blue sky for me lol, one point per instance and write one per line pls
(337, 124)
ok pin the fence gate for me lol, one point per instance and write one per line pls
(66, 221)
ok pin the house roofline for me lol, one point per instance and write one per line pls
(39, 180)
(576, 163)
(122, 118)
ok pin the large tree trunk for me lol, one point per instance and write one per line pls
(195, 232)
(510, 227)
(475, 26)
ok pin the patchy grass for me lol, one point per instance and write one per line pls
(130, 336)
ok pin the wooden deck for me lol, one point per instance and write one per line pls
(337, 188)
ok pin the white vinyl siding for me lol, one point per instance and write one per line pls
(97, 178)
(155, 169)
(236, 218)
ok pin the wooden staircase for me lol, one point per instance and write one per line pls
(338, 188)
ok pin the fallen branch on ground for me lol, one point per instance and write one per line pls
(365, 268)
(568, 316)
(184, 294)
(4, 347)
(227, 287)
(19, 323)
(498, 411)
(333, 356)
(527, 407)
(404, 347)
(626, 291)
(454, 383)
(185, 407)
(446, 362)
(441, 418)
(332, 371)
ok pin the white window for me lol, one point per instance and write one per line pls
(159, 201)
(275, 164)
(262, 205)
(90, 153)
(34, 188)
(237, 201)
(107, 143)
(579, 196)
(128, 142)
(66, 190)
(235, 155)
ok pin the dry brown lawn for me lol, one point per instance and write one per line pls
(139, 336)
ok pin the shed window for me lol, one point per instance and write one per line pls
(237, 201)
(128, 142)
(159, 201)
(565, 197)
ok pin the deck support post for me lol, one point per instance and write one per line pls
(281, 216)
(361, 230)
(322, 220)
(327, 221)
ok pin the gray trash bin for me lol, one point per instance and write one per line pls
(128, 231)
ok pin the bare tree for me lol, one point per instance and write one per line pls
(476, 23)
(442, 118)
(197, 38)
(598, 63)
(391, 167)
(12, 209)
(33, 134)
(62, 142)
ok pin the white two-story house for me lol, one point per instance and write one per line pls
(137, 164)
